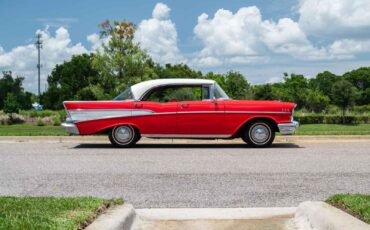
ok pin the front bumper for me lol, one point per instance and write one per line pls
(70, 128)
(288, 128)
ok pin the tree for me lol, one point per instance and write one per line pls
(316, 101)
(8, 84)
(11, 105)
(236, 86)
(121, 62)
(324, 82)
(263, 92)
(67, 79)
(343, 94)
(360, 78)
(293, 88)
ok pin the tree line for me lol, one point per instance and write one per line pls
(121, 62)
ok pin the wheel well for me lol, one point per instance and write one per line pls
(107, 130)
(266, 119)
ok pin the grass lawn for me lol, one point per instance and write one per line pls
(356, 205)
(331, 129)
(315, 129)
(31, 130)
(50, 212)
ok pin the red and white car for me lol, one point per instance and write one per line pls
(180, 108)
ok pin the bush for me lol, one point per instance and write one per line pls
(332, 119)
(310, 119)
(56, 121)
(40, 122)
(362, 109)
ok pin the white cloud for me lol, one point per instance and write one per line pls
(343, 18)
(22, 60)
(158, 36)
(349, 47)
(244, 37)
(161, 11)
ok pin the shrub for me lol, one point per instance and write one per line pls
(310, 119)
(56, 121)
(332, 119)
(40, 122)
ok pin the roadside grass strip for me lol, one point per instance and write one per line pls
(70, 213)
(31, 130)
(355, 204)
(333, 129)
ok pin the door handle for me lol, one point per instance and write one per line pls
(138, 105)
(184, 106)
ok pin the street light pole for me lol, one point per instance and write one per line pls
(38, 45)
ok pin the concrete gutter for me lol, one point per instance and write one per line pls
(319, 215)
(214, 213)
(104, 139)
(118, 218)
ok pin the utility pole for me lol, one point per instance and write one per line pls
(38, 45)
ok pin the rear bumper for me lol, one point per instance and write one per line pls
(288, 128)
(70, 128)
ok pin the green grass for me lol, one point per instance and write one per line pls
(318, 129)
(356, 205)
(326, 129)
(50, 212)
(31, 130)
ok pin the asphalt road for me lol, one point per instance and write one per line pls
(206, 175)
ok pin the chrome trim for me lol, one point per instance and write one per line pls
(288, 128)
(70, 128)
(216, 136)
(81, 115)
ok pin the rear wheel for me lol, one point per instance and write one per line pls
(259, 134)
(123, 136)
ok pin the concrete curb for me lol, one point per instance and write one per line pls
(118, 218)
(104, 139)
(317, 215)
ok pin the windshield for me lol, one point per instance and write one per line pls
(125, 95)
(220, 93)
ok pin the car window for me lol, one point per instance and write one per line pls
(176, 93)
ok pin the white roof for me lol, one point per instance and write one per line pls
(140, 88)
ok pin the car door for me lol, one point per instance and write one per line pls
(155, 116)
(200, 116)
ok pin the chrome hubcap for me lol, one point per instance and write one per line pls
(260, 133)
(123, 134)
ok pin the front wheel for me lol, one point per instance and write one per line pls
(123, 136)
(259, 134)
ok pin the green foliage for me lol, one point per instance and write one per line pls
(263, 92)
(11, 104)
(8, 84)
(360, 78)
(324, 82)
(40, 122)
(343, 94)
(236, 85)
(332, 119)
(316, 101)
(121, 62)
(68, 79)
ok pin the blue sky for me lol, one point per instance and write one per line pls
(261, 39)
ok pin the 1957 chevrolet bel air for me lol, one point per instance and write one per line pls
(180, 108)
